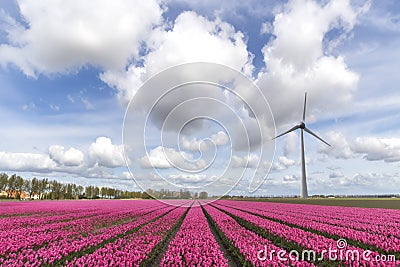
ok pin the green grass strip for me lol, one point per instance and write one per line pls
(232, 249)
(162, 246)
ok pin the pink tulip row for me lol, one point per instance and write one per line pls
(14, 223)
(50, 208)
(60, 211)
(131, 250)
(356, 218)
(194, 244)
(371, 220)
(380, 221)
(13, 241)
(47, 229)
(25, 208)
(33, 221)
(72, 240)
(385, 240)
(308, 240)
(249, 243)
(45, 208)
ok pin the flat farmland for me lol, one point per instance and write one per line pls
(196, 233)
(383, 203)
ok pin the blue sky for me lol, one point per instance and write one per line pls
(67, 74)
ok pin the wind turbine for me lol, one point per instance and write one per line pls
(302, 127)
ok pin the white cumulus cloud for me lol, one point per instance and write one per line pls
(341, 147)
(26, 162)
(373, 148)
(247, 161)
(105, 153)
(192, 38)
(297, 60)
(218, 139)
(165, 157)
(71, 157)
(188, 179)
(283, 163)
(370, 148)
(65, 35)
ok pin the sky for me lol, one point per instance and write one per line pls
(69, 69)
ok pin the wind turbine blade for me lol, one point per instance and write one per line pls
(288, 131)
(316, 136)
(304, 108)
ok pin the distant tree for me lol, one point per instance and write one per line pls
(3, 181)
(27, 187)
(53, 189)
(19, 185)
(96, 192)
(146, 195)
(11, 185)
(74, 192)
(185, 194)
(137, 194)
(89, 191)
(203, 195)
(150, 191)
(103, 192)
(43, 187)
(63, 191)
(117, 193)
(58, 190)
(110, 192)
(34, 187)
(68, 191)
(79, 190)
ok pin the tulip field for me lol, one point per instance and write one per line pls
(195, 233)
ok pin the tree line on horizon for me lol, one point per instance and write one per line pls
(15, 186)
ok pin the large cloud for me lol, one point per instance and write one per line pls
(341, 147)
(102, 157)
(191, 179)
(218, 139)
(298, 59)
(65, 35)
(370, 148)
(193, 38)
(248, 161)
(105, 153)
(26, 162)
(71, 157)
(165, 158)
(44, 164)
(283, 163)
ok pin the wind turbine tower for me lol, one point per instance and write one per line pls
(302, 127)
